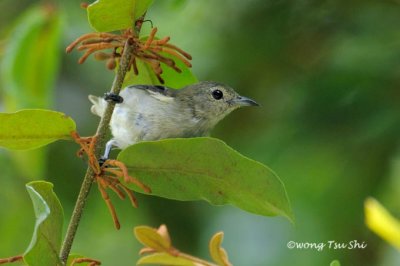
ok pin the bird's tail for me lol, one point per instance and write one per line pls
(99, 105)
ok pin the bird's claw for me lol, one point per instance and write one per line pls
(102, 160)
(113, 97)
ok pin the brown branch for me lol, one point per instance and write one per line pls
(98, 150)
(12, 259)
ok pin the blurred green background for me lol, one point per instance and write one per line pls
(327, 74)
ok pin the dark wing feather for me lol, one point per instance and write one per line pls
(155, 89)
(159, 92)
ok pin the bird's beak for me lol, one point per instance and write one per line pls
(244, 101)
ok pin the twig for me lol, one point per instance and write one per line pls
(99, 148)
(196, 260)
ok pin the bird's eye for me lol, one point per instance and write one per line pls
(217, 94)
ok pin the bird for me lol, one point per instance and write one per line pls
(154, 112)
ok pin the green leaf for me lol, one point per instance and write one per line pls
(172, 78)
(335, 263)
(379, 220)
(28, 129)
(218, 254)
(151, 238)
(30, 64)
(162, 258)
(141, 7)
(206, 169)
(46, 240)
(28, 72)
(112, 15)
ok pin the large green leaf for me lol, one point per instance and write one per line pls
(46, 240)
(172, 78)
(28, 129)
(206, 169)
(30, 64)
(29, 68)
(112, 15)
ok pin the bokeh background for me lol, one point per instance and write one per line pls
(327, 74)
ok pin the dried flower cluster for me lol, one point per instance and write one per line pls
(108, 177)
(150, 51)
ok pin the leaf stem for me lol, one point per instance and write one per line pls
(98, 150)
(196, 260)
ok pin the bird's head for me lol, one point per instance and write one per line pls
(211, 101)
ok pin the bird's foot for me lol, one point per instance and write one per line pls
(91, 262)
(113, 97)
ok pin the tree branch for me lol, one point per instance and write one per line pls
(98, 151)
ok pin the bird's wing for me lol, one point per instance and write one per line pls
(159, 92)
